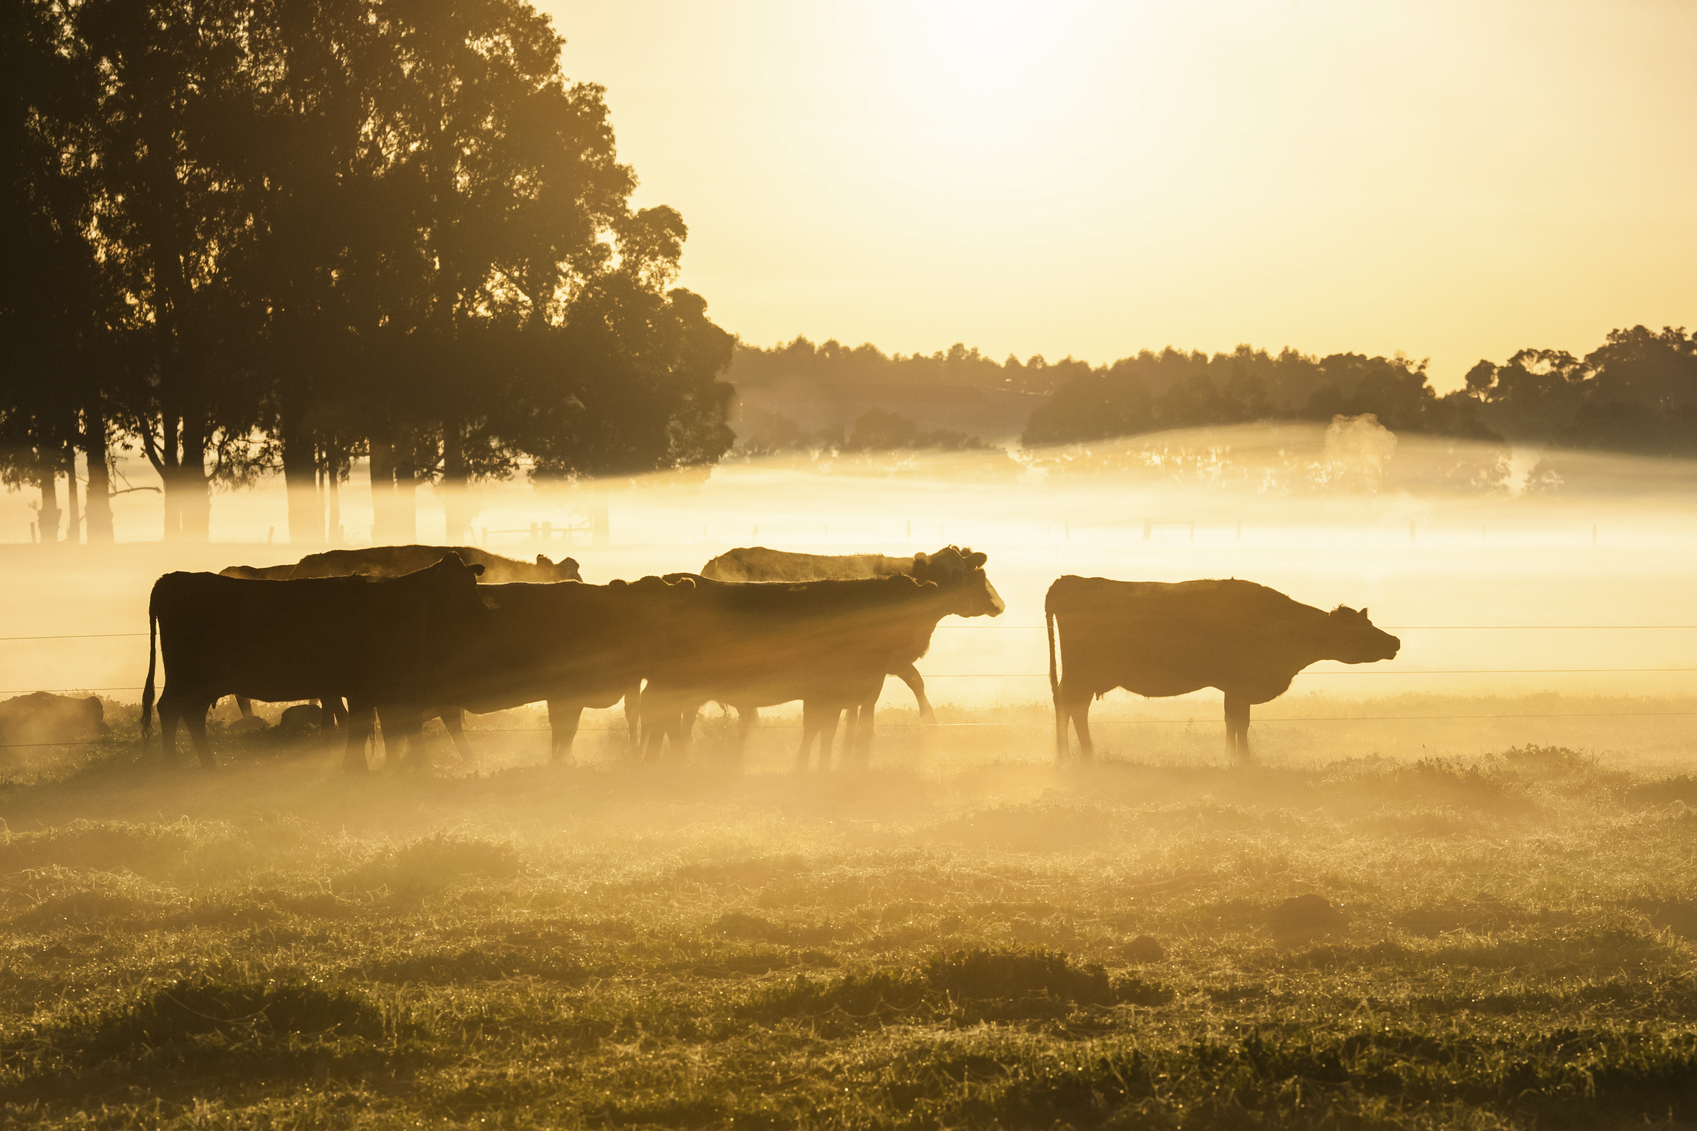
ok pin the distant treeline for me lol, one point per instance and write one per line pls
(248, 237)
(1636, 393)
(845, 368)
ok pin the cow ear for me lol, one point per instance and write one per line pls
(974, 561)
(919, 560)
(476, 570)
(542, 559)
(1363, 612)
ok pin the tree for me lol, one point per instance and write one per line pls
(61, 320)
(174, 108)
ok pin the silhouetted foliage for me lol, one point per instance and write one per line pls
(1157, 391)
(1636, 393)
(875, 430)
(286, 235)
(863, 368)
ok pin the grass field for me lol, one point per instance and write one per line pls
(958, 936)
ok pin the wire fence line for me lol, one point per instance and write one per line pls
(1410, 672)
(1005, 627)
(1094, 723)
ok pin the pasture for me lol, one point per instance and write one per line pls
(1454, 893)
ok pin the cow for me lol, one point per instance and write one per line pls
(379, 641)
(570, 644)
(259, 573)
(947, 566)
(394, 561)
(44, 719)
(826, 643)
(1160, 639)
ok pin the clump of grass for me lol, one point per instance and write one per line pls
(431, 864)
(980, 984)
(741, 925)
(196, 1030)
(102, 846)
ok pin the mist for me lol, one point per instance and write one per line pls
(1537, 594)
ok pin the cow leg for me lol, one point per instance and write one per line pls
(1081, 723)
(860, 730)
(454, 719)
(327, 715)
(1237, 727)
(909, 675)
(563, 720)
(1074, 706)
(194, 719)
(746, 718)
(245, 706)
(360, 719)
(809, 728)
(682, 729)
(633, 714)
(828, 737)
(170, 711)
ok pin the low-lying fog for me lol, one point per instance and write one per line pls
(1548, 585)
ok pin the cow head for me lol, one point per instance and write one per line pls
(455, 586)
(960, 574)
(564, 570)
(1352, 639)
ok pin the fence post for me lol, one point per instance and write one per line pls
(270, 533)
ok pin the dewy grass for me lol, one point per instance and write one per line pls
(1351, 941)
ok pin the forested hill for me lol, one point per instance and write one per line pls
(1635, 393)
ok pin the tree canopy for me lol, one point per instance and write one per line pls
(279, 235)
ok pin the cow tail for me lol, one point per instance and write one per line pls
(1054, 678)
(147, 689)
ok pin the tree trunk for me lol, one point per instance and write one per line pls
(456, 505)
(306, 521)
(383, 501)
(168, 475)
(333, 497)
(48, 481)
(406, 510)
(99, 478)
(600, 532)
(196, 488)
(73, 520)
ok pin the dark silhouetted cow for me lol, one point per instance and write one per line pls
(570, 644)
(1162, 639)
(948, 566)
(826, 643)
(259, 573)
(394, 561)
(379, 641)
(42, 719)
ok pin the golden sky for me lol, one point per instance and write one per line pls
(1453, 180)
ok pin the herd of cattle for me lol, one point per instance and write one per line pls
(407, 633)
